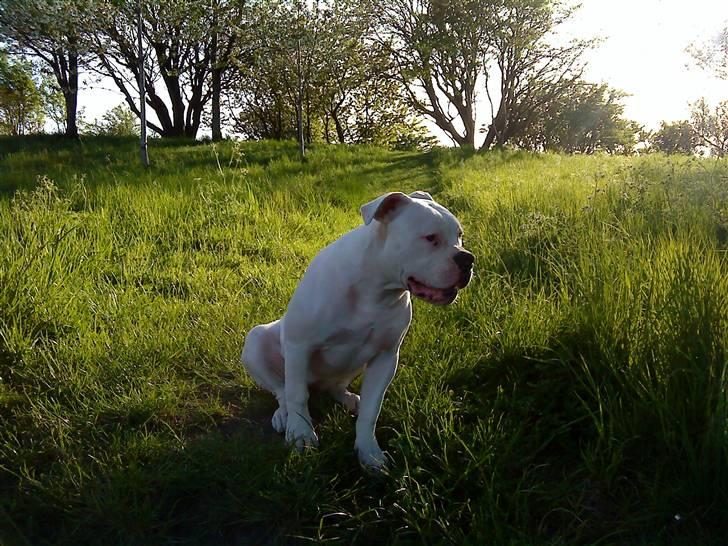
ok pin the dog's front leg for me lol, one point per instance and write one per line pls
(299, 429)
(377, 377)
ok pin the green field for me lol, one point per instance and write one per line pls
(575, 393)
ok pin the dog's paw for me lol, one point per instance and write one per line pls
(280, 419)
(351, 402)
(371, 457)
(300, 433)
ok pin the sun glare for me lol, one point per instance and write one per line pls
(643, 53)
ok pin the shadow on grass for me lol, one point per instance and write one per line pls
(235, 483)
(216, 487)
(585, 452)
(100, 161)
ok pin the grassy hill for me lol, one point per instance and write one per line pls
(575, 393)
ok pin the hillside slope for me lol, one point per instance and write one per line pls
(575, 392)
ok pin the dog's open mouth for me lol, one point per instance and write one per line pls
(438, 296)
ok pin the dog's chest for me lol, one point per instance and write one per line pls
(350, 347)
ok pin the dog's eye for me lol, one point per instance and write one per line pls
(432, 239)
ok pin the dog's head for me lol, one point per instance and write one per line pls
(422, 241)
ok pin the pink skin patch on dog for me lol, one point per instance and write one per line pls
(388, 340)
(318, 363)
(438, 296)
(388, 205)
(272, 354)
(352, 298)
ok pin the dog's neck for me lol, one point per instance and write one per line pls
(375, 276)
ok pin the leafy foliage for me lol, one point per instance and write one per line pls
(21, 102)
(117, 122)
(674, 138)
(177, 42)
(54, 103)
(54, 33)
(584, 119)
(712, 54)
(444, 50)
(711, 126)
(324, 58)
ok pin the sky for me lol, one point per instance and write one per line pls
(642, 52)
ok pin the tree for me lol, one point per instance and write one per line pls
(229, 19)
(712, 55)
(49, 31)
(179, 54)
(359, 94)
(438, 47)
(54, 103)
(446, 50)
(119, 121)
(264, 110)
(586, 118)
(530, 71)
(326, 64)
(21, 107)
(711, 126)
(674, 138)
(282, 57)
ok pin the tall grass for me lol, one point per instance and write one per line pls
(623, 358)
(575, 393)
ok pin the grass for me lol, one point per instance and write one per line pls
(575, 393)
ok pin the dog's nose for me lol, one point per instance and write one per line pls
(464, 260)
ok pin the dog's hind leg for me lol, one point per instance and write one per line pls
(263, 359)
(340, 393)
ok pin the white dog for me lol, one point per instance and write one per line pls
(351, 311)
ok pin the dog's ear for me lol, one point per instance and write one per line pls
(385, 207)
(419, 194)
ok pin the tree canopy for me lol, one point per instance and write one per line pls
(586, 118)
(487, 73)
(711, 126)
(674, 138)
(21, 106)
(53, 32)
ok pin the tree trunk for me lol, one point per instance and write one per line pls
(191, 129)
(339, 129)
(160, 109)
(327, 122)
(70, 94)
(216, 91)
(279, 120)
(178, 106)
(143, 149)
(216, 82)
(299, 104)
(495, 136)
(171, 81)
(469, 126)
(308, 119)
(299, 127)
(71, 100)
